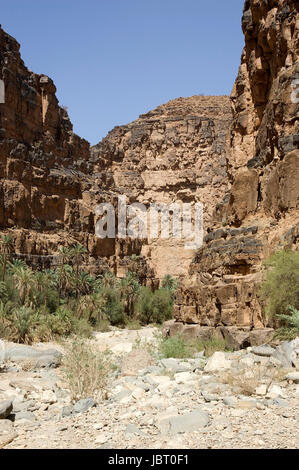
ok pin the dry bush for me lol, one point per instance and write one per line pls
(245, 380)
(86, 370)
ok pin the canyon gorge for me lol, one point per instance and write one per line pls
(237, 155)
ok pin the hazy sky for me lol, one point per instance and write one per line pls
(112, 60)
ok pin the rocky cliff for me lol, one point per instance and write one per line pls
(51, 181)
(173, 154)
(260, 212)
(45, 168)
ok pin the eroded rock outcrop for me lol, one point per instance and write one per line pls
(260, 213)
(45, 168)
(175, 153)
(51, 181)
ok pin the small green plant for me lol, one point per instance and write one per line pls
(281, 285)
(211, 345)
(103, 325)
(290, 325)
(133, 324)
(179, 347)
(175, 347)
(86, 370)
(154, 307)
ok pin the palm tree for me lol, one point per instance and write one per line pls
(64, 276)
(129, 289)
(16, 263)
(87, 283)
(65, 253)
(170, 283)
(77, 252)
(63, 272)
(6, 247)
(108, 280)
(24, 281)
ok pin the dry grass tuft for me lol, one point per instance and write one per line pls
(86, 370)
(245, 381)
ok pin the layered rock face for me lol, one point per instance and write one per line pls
(260, 212)
(173, 154)
(45, 168)
(51, 181)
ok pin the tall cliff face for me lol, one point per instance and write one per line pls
(51, 181)
(175, 153)
(261, 211)
(45, 168)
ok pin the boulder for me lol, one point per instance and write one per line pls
(263, 350)
(7, 432)
(217, 361)
(189, 422)
(293, 376)
(286, 353)
(83, 405)
(5, 408)
(38, 357)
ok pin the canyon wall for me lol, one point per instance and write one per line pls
(45, 168)
(260, 213)
(173, 154)
(239, 157)
(51, 181)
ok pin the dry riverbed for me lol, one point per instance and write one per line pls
(244, 399)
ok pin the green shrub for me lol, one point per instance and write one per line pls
(175, 346)
(211, 345)
(290, 325)
(81, 327)
(113, 308)
(162, 305)
(179, 347)
(280, 288)
(103, 325)
(144, 305)
(154, 307)
(132, 324)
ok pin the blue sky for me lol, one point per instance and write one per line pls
(112, 60)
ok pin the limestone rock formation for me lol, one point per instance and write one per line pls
(45, 168)
(260, 212)
(51, 181)
(175, 153)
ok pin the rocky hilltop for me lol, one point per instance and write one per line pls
(175, 153)
(260, 212)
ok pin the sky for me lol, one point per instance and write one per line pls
(112, 60)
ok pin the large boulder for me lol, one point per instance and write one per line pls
(217, 361)
(5, 408)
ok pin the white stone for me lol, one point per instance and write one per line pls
(294, 376)
(217, 362)
(48, 397)
(183, 377)
(274, 392)
(138, 393)
(261, 390)
(101, 439)
(160, 379)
